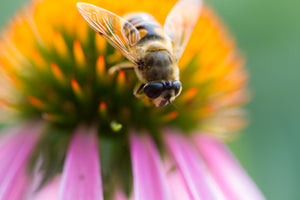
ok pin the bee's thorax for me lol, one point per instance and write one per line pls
(157, 65)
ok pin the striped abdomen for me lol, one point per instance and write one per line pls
(147, 26)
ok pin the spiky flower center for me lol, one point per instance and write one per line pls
(71, 85)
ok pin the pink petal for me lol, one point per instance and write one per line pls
(149, 182)
(197, 178)
(81, 178)
(228, 173)
(175, 181)
(49, 191)
(15, 151)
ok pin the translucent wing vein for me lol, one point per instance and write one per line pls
(180, 23)
(117, 31)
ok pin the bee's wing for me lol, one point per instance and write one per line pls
(180, 23)
(117, 31)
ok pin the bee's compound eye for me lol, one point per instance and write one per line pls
(177, 87)
(153, 90)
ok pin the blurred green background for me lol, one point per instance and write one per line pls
(268, 32)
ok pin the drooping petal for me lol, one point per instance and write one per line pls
(15, 150)
(149, 181)
(17, 186)
(197, 178)
(230, 176)
(81, 177)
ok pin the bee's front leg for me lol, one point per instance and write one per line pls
(121, 66)
(138, 90)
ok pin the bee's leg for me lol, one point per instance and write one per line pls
(138, 90)
(121, 66)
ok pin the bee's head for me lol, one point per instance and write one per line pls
(162, 92)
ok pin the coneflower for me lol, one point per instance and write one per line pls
(74, 131)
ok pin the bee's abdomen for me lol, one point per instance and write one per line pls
(147, 26)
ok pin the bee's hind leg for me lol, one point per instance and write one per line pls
(121, 66)
(138, 90)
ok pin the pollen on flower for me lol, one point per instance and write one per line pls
(100, 44)
(77, 89)
(58, 74)
(100, 66)
(102, 108)
(38, 60)
(189, 94)
(78, 54)
(60, 45)
(121, 78)
(37, 103)
(115, 126)
(170, 116)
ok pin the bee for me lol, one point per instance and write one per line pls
(153, 50)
